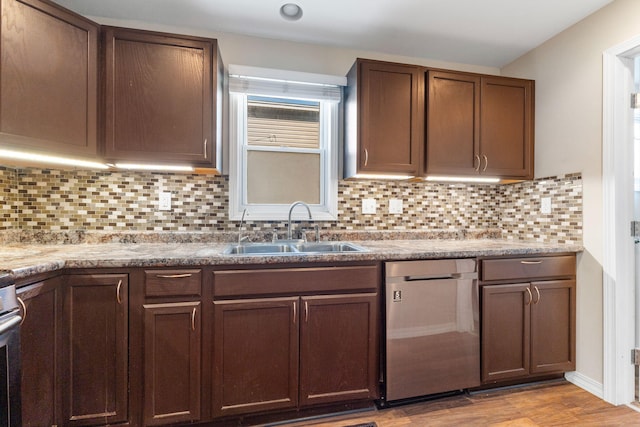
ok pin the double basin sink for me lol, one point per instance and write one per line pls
(291, 247)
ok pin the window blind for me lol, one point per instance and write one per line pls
(278, 124)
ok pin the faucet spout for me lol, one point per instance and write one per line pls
(293, 205)
(240, 236)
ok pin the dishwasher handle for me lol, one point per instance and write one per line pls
(451, 276)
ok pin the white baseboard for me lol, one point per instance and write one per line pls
(586, 383)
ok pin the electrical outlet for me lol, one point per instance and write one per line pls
(545, 205)
(369, 206)
(164, 201)
(395, 206)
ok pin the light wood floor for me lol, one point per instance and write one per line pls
(552, 404)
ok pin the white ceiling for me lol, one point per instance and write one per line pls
(480, 32)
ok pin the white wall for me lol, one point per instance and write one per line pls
(270, 53)
(568, 74)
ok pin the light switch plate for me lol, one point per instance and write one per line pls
(369, 206)
(164, 201)
(545, 205)
(395, 206)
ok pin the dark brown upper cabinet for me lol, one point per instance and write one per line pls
(163, 98)
(479, 125)
(506, 127)
(384, 126)
(453, 123)
(48, 79)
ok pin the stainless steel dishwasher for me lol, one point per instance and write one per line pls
(432, 327)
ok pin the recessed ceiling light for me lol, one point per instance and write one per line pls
(291, 11)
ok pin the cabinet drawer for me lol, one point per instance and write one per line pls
(161, 283)
(528, 268)
(233, 283)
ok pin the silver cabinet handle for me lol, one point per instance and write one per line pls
(193, 319)
(205, 148)
(24, 310)
(537, 294)
(295, 312)
(366, 157)
(530, 262)
(118, 297)
(477, 168)
(530, 297)
(173, 276)
(486, 162)
(306, 311)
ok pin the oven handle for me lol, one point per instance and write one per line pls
(9, 324)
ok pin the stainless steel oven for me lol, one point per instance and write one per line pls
(10, 409)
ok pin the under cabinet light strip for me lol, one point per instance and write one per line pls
(486, 180)
(172, 168)
(41, 158)
(381, 176)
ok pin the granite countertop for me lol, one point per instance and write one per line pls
(25, 260)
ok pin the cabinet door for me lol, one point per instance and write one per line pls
(159, 97)
(96, 343)
(505, 331)
(255, 355)
(506, 127)
(172, 337)
(338, 348)
(391, 108)
(48, 78)
(553, 327)
(39, 353)
(453, 123)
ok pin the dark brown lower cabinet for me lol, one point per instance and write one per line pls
(553, 314)
(95, 325)
(255, 355)
(172, 347)
(338, 349)
(527, 329)
(39, 352)
(278, 353)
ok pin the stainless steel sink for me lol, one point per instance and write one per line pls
(292, 248)
(329, 247)
(258, 248)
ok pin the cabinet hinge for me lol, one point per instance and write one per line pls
(635, 228)
(635, 356)
(635, 100)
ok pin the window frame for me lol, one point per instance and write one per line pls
(330, 125)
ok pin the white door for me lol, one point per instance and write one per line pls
(636, 210)
(620, 322)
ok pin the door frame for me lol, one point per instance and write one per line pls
(618, 248)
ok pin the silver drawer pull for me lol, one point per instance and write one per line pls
(530, 262)
(173, 276)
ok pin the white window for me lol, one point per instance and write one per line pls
(283, 143)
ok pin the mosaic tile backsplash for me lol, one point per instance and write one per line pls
(46, 200)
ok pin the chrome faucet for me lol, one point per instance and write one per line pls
(293, 205)
(241, 238)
